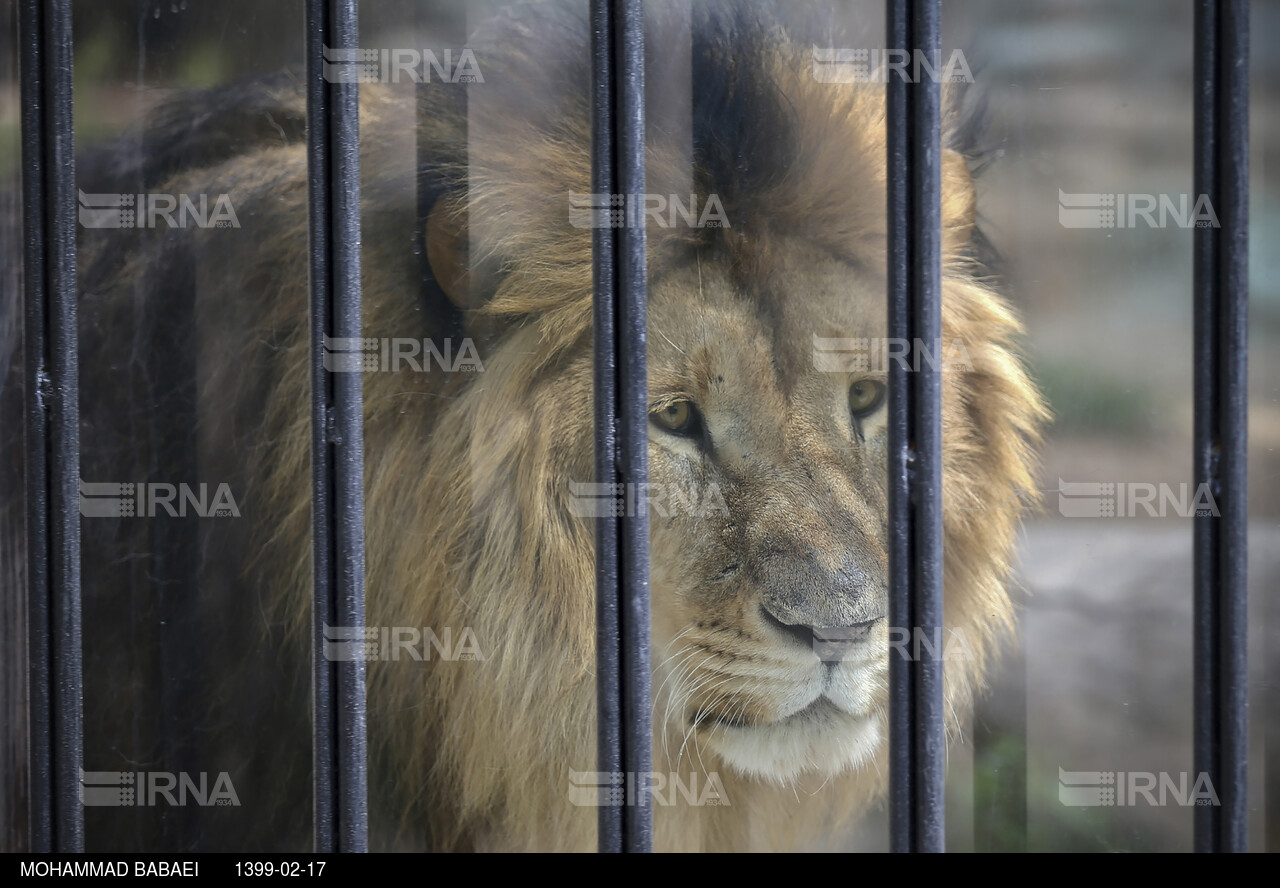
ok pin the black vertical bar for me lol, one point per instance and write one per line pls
(52, 426)
(337, 434)
(608, 635)
(916, 738)
(1221, 419)
(622, 419)
(633, 422)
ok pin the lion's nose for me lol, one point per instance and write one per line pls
(804, 589)
(829, 643)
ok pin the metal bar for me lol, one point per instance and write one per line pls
(337, 434)
(622, 422)
(52, 430)
(1220, 279)
(916, 739)
(608, 633)
(633, 423)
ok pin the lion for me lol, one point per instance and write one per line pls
(773, 533)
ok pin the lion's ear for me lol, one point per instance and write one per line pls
(467, 285)
(959, 202)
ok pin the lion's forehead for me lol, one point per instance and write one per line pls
(768, 332)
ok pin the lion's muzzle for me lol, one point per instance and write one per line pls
(828, 605)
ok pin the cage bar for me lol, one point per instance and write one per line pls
(1220, 280)
(337, 434)
(52, 411)
(621, 424)
(916, 739)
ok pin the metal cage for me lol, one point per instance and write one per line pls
(914, 310)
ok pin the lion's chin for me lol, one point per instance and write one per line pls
(820, 738)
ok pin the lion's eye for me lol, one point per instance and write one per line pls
(678, 417)
(865, 397)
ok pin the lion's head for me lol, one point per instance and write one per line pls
(767, 440)
(766, 360)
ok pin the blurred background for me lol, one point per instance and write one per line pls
(1083, 96)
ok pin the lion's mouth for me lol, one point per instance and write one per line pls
(820, 710)
(822, 736)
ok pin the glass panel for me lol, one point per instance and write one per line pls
(1088, 198)
(765, 230)
(193, 311)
